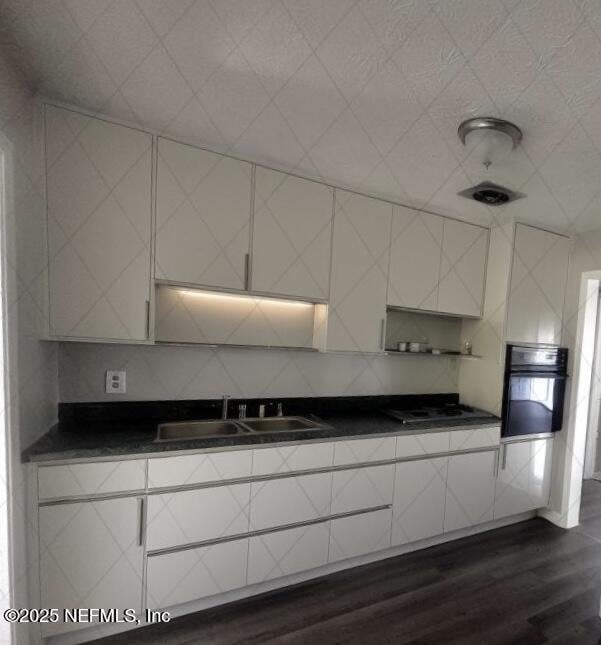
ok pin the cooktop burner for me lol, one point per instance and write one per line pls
(427, 414)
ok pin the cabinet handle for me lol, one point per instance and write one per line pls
(504, 460)
(147, 305)
(382, 328)
(141, 520)
(247, 271)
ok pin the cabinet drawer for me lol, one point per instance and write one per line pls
(360, 488)
(475, 438)
(422, 444)
(99, 478)
(283, 553)
(174, 578)
(283, 459)
(191, 516)
(359, 534)
(198, 469)
(363, 450)
(289, 500)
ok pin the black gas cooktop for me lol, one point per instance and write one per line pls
(427, 414)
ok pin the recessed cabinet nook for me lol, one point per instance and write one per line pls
(136, 222)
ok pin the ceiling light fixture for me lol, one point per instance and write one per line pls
(490, 138)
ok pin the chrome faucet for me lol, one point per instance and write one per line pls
(242, 411)
(225, 399)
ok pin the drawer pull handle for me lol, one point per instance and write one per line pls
(141, 520)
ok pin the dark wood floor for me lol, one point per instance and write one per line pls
(524, 584)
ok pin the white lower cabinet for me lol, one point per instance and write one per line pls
(186, 517)
(182, 576)
(524, 477)
(289, 500)
(90, 556)
(361, 534)
(419, 500)
(282, 553)
(470, 489)
(361, 488)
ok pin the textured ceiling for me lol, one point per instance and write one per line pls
(364, 93)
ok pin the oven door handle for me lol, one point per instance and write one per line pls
(558, 377)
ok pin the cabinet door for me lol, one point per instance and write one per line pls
(357, 308)
(186, 517)
(414, 259)
(182, 576)
(538, 282)
(524, 477)
(361, 488)
(99, 227)
(291, 236)
(470, 490)
(278, 502)
(360, 534)
(90, 556)
(202, 216)
(419, 500)
(282, 553)
(462, 268)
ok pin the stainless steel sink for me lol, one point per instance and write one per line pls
(197, 430)
(282, 424)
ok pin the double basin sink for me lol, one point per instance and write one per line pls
(182, 430)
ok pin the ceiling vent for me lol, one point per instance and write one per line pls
(491, 194)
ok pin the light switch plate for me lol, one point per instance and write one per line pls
(115, 382)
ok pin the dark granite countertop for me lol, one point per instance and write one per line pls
(86, 432)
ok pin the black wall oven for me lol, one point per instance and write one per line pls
(533, 390)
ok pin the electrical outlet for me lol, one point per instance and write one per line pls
(115, 382)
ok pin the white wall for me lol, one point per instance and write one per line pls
(33, 364)
(568, 453)
(189, 372)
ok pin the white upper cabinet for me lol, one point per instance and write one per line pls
(357, 308)
(99, 227)
(414, 259)
(202, 216)
(462, 268)
(538, 282)
(291, 236)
